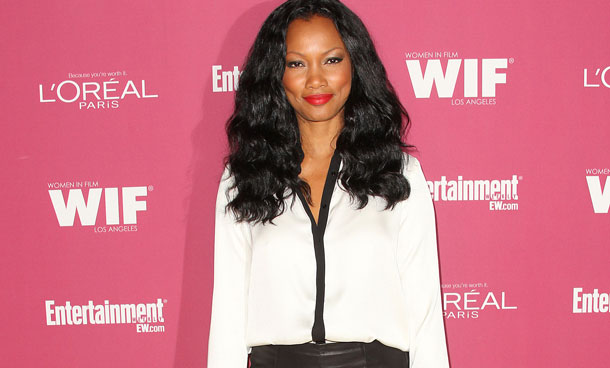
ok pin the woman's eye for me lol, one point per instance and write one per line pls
(294, 64)
(334, 60)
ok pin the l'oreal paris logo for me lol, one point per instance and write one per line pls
(597, 77)
(94, 95)
(469, 304)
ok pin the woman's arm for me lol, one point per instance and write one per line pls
(232, 252)
(419, 272)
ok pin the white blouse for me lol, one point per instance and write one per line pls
(357, 275)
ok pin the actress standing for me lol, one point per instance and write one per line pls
(325, 243)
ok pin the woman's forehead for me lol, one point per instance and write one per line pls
(314, 34)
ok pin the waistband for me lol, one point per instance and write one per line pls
(340, 354)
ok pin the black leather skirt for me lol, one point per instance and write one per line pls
(333, 355)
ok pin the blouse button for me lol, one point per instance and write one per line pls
(333, 173)
(324, 205)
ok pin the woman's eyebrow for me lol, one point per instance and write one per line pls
(324, 53)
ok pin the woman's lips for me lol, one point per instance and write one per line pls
(318, 99)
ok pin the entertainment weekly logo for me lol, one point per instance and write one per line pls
(600, 197)
(463, 300)
(68, 200)
(148, 317)
(501, 194)
(590, 302)
(486, 73)
(225, 80)
(103, 90)
(597, 77)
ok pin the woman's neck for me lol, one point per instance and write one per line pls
(319, 139)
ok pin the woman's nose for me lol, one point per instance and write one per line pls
(315, 77)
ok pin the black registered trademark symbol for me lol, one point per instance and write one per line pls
(150, 188)
(511, 60)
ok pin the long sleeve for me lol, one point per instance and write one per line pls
(419, 273)
(232, 255)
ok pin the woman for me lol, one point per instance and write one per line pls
(325, 249)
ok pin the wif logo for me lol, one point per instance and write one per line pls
(74, 203)
(486, 73)
(600, 197)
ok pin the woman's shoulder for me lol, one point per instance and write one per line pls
(226, 187)
(226, 173)
(412, 170)
(411, 166)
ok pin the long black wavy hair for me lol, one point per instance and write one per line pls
(264, 140)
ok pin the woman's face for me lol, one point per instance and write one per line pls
(318, 74)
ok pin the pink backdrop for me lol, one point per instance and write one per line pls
(129, 95)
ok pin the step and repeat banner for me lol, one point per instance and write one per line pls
(113, 115)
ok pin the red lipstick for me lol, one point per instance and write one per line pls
(318, 99)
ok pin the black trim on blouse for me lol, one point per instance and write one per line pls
(318, 331)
